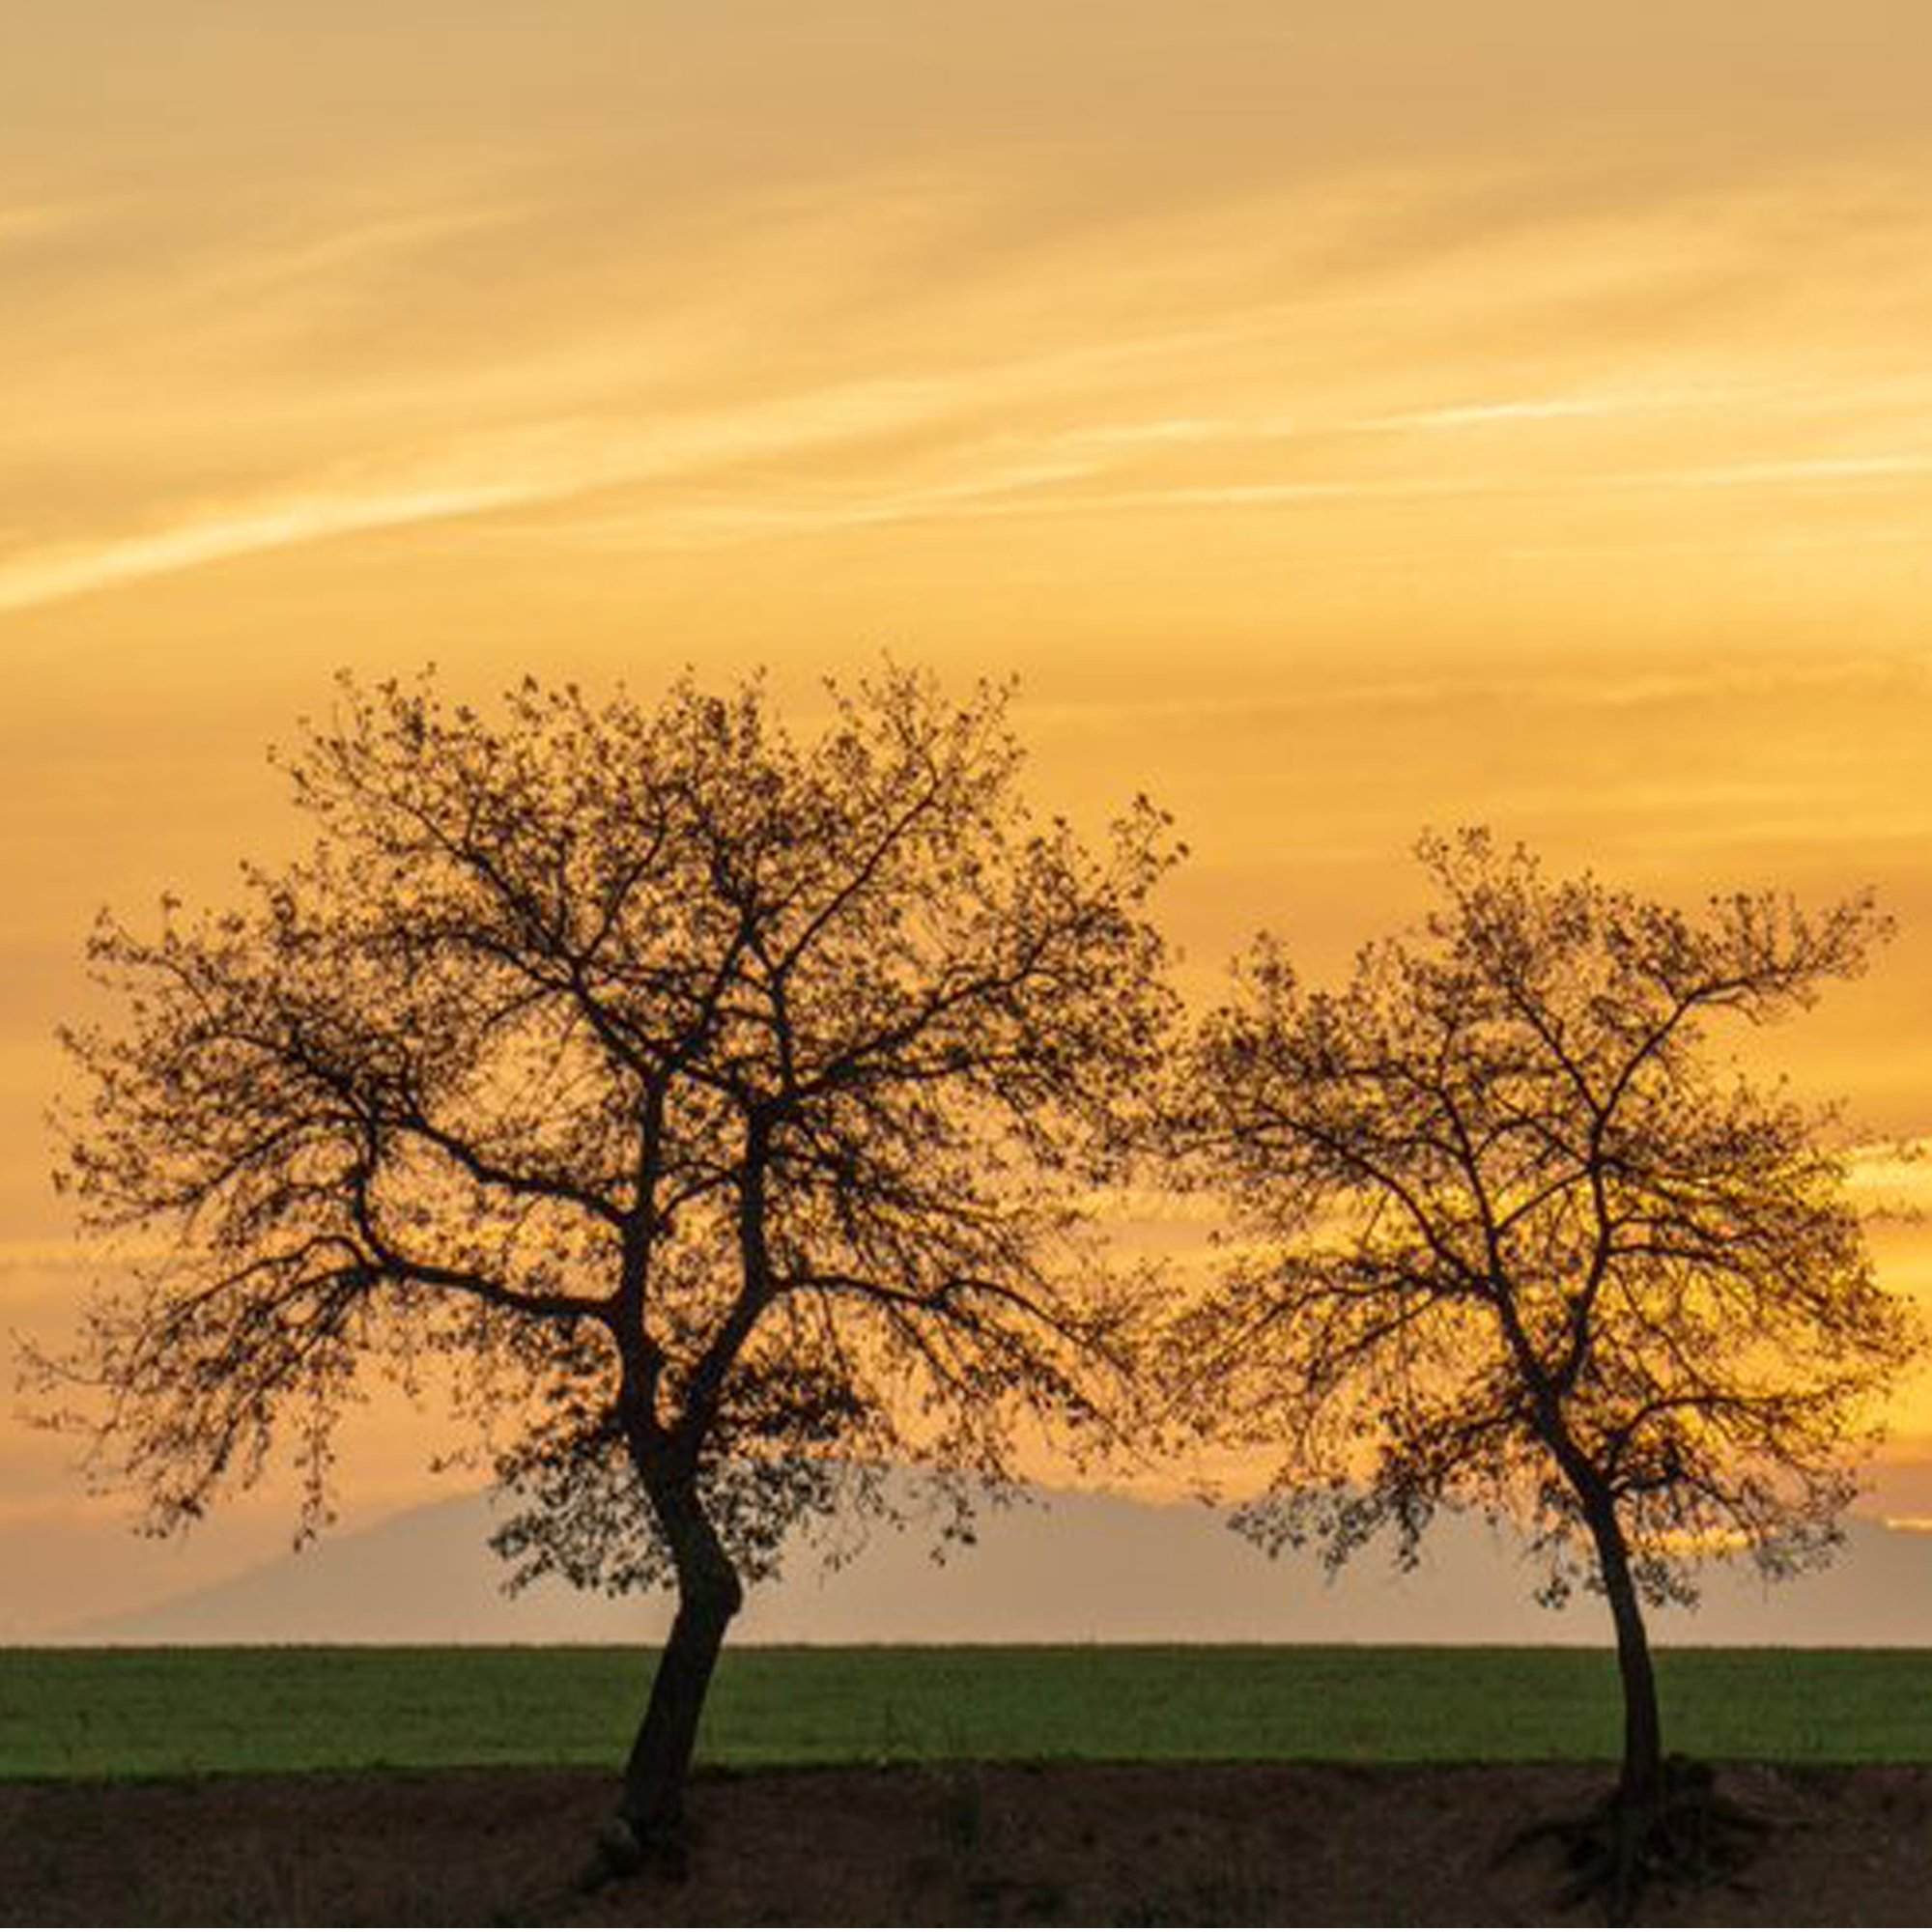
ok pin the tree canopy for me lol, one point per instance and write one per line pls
(1513, 1237)
(724, 1105)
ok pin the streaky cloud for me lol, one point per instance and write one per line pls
(71, 571)
(508, 472)
(1531, 410)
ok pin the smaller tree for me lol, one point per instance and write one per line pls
(1517, 1243)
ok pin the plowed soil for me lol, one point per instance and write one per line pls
(989, 1845)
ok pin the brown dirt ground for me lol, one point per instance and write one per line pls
(986, 1844)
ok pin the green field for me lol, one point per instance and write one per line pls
(80, 1713)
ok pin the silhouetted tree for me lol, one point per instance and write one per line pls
(722, 1106)
(1513, 1242)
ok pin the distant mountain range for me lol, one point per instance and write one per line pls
(1069, 1568)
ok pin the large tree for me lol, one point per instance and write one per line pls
(722, 1106)
(1514, 1236)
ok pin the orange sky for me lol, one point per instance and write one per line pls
(1343, 418)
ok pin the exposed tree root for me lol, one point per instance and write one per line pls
(623, 1850)
(1687, 1834)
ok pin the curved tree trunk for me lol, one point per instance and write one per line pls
(1640, 1786)
(709, 1596)
(1643, 1735)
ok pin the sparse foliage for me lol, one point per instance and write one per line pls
(722, 1106)
(1514, 1239)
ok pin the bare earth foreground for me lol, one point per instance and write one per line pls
(1011, 1844)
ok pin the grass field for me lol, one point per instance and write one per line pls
(80, 1713)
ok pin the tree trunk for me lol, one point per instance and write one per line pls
(1640, 1786)
(709, 1595)
(1644, 1733)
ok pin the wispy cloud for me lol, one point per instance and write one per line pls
(550, 465)
(46, 576)
(516, 469)
(1017, 490)
(1531, 410)
(1799, 470)
(1073, 430)
(1009, 489)
(1172, 430)
(1745, 541)
(1022, 491)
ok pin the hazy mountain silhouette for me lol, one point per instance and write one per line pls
(1085, 1568)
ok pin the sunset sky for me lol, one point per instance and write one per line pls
(1342, 418)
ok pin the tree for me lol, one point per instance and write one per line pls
(1516, 1241)
(722, 1106)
